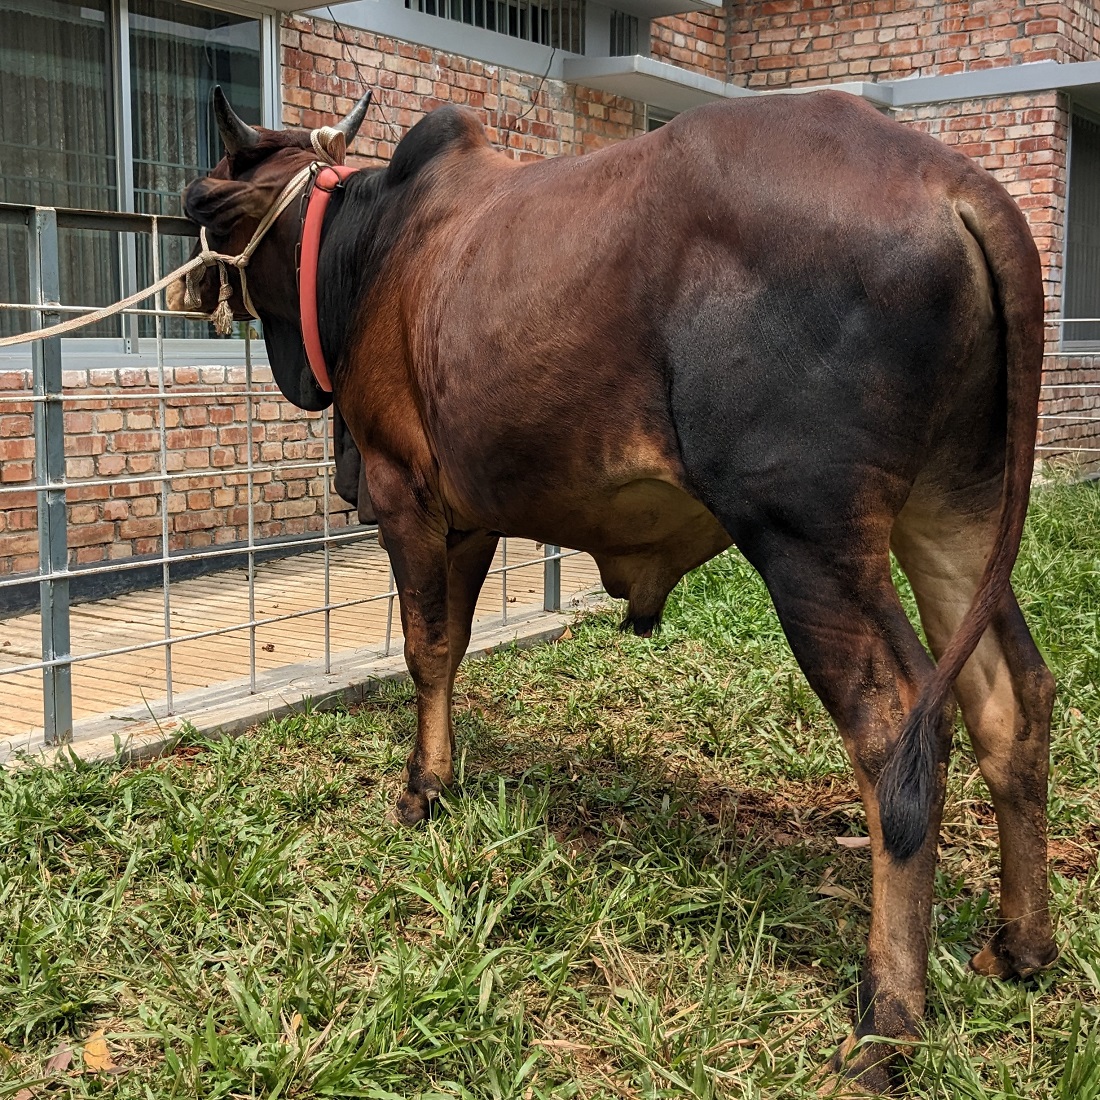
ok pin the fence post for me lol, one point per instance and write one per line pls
(551, 578)
(49, 471)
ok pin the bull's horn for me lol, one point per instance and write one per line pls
(349, 125)
(236, 135)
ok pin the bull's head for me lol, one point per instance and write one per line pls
(230, 203)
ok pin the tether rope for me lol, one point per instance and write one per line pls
(101, 314)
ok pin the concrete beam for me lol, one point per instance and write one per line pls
(649, 81)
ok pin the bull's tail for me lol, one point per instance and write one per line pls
(908, 781)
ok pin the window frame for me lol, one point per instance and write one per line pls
(656, 117)
(1074, 110)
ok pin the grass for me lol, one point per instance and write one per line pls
(636, 893)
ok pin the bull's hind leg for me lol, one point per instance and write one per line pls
(1006, 694)
(850, 635)
(469, 556)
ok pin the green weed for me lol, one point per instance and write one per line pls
(635, 893)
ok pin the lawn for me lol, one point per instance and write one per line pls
(636, 892)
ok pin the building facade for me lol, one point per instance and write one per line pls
(104, 105)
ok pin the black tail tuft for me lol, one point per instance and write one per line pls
(906, 787)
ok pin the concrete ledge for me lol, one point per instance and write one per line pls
(646, 80)
(1080, 77)
(140, 733)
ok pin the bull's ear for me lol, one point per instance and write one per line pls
(218, 204)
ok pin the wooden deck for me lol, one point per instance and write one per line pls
(220, 602)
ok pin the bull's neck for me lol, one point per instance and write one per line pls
(355, 244)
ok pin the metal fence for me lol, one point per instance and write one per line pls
(264, 596)
(340, 559)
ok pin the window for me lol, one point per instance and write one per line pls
(66, 92)
(624, 34)
(178, 52)
(1081, 292)
(656, 117)
(57, 142)
(556, 23)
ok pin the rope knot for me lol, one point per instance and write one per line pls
(329, 144)
(222, 317)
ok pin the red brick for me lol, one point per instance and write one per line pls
(91, 534)
(13, 449)
(135, 441)
(139, 528)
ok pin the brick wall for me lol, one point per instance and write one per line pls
(696, 41)
(1081, 23)
(115, 436)
(326, 68)
(1071, 391)
(779, 42)
(764, 43)
(112, 431)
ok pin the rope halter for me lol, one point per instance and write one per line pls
(329, 144)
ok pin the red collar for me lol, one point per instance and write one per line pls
(326, 181)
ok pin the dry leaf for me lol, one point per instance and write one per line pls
(60, 1060)
(290, 1029)
(97, 1058)
(560, 1044)
(853, 841)
(24, 1094)
(841, 892)
(565, 635)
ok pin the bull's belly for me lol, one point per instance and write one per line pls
(644, 536)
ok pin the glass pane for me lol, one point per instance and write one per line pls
(1082, 288)
(178, 52)
(57, 145)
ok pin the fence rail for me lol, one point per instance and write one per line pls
(173, 628)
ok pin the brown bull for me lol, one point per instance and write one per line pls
(786, 323)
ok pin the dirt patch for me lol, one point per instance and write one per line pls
(187, 754)
(806, 812)
(1075, 859)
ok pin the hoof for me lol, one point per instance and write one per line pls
(412, 808)
(998, 960)
(859, 1071)
(422, 788)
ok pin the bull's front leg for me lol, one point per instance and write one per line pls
(415, 536)
(430, 768)
(438, 574)
(422, 591)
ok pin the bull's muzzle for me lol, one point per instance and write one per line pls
(174, 296)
